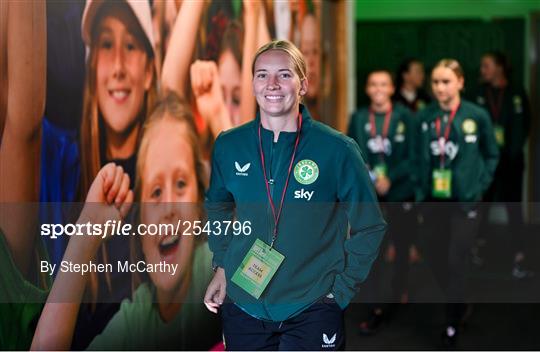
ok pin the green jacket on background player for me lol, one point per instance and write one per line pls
(471, 152)
(396, 152)
(510, 116)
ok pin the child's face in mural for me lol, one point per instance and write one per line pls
(379, 87)
(123, 70)
(310, 46)
(230, 77)
(169, 193)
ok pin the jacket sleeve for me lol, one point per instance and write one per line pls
(404, 168)
(355, 132)
(526, 113)
(367, 226)
(489, 149)
(521, 126)
(219, 204)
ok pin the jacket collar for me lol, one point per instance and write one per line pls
(307, 120)
(458, 119)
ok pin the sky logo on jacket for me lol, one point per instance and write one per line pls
(241, 170)
(302, 193)
(449, 148)
(379, 145)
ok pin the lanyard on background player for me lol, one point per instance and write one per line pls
(442, 139)
(495, 106)
(386, 126)
(278, 215)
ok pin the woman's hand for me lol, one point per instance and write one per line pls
(382, 185)
(216, 291)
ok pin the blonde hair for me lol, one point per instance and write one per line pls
(177, 109)
(297, 58)
(451, 64)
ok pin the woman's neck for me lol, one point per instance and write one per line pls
(408, 87)
(121, 145)
(408, 92)
(499, 82)
(381, 107)
(170, 302)
(451, 104)
(279, 124)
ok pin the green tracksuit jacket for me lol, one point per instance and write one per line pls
(471, 152)
(514, 115)
(321, 254)
(397, 153)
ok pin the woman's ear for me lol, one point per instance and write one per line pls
(392, 90)
(303, 87)
(461, 83)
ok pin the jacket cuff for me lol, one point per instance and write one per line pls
(217, 260)
(342, 294)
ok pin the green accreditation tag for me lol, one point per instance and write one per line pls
(380, 170)
(499, 135)
(442, 183)
(257, 269)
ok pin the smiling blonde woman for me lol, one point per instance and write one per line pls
(300, 184)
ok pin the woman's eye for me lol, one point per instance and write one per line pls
(105, 44)
(261, 75)
(156, 193)
(286, 75)
(131, 46)
(180, 184)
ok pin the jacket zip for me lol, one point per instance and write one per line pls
(271, 183)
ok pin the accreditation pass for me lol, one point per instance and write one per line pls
(257, 268)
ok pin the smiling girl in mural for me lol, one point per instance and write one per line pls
(166, 312)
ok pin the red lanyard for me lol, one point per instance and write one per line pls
(278, 215)
(440, 139)
(495, 106)
(385, 128)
